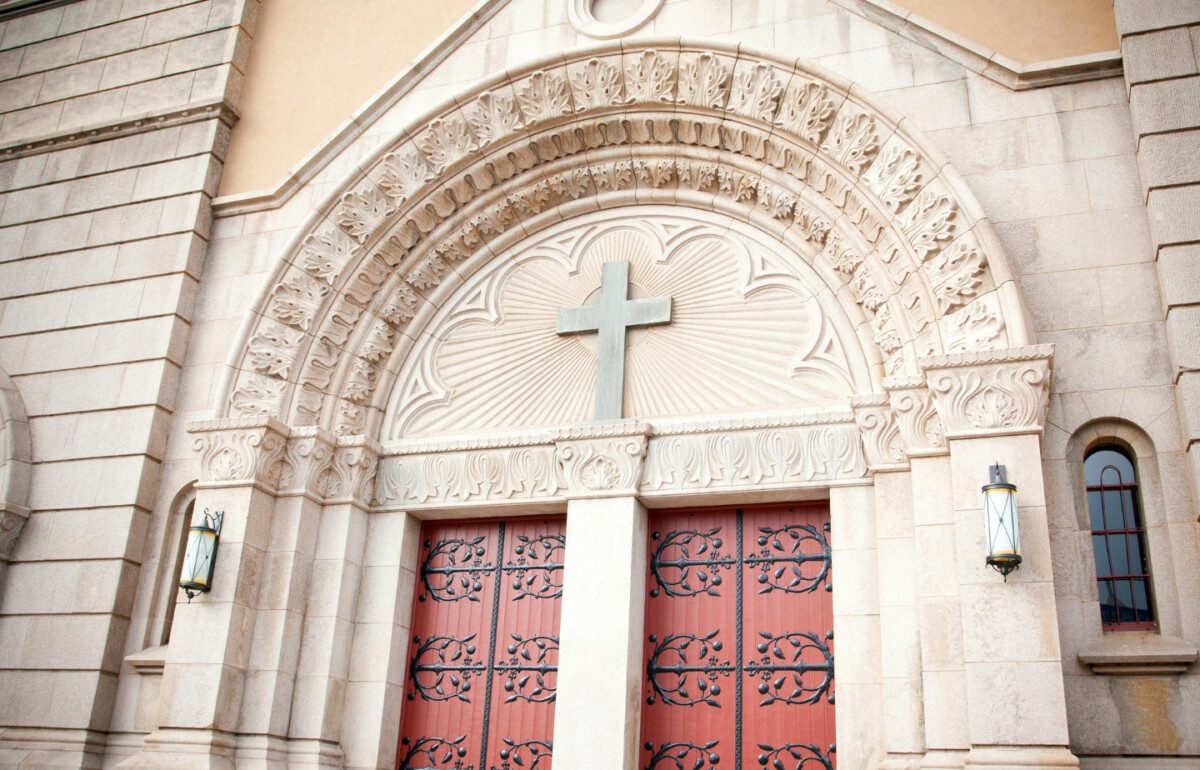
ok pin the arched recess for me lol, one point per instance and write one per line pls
(16, 454)
(797, 154)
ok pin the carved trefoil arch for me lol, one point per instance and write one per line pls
(888, 226)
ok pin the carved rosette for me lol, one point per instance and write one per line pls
(309, 453)
(920, 426)
(350, 477)
(601, 462)
(242, 451)
(805, 160)
(880, 432)
(992, 392)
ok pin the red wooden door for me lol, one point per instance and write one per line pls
(483, 658)
(739, 649)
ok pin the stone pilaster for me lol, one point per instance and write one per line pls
(1162, 73)
(241, 463)
(347, 487)
(992, 405)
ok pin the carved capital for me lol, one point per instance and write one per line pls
(12, 520)
(350, 478)
(604, 461)
(309, 453)
(240, 451)
(991, 392)
(880, 433)
(920, 426)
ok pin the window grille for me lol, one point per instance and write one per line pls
(1122, 569)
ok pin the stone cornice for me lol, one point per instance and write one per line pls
(99, 132)
(993, 392)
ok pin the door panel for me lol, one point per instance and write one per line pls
(483, 658)
(739, 659)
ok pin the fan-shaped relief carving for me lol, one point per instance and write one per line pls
(748, 332)
(762, 137)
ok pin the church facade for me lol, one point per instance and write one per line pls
(690, 384)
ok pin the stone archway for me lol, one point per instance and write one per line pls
(886, 222)
(940, 371)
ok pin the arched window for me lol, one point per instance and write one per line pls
(172, 592)
(1122, 570)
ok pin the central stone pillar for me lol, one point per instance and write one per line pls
(991, 405)
(598, 713)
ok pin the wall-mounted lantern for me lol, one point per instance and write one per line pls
(1000, 519)
(201, 556)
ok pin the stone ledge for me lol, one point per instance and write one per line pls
(149, 661)
(1129, 653)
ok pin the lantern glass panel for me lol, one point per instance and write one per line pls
(198, 560)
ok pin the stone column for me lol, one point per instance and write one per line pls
(856, 625)
(382, 626)
(347, 487)
(275, 651)
(991, 405)
(935, 591)
(1162, 72)
(900, 663)
(598, 706)
(204, 678)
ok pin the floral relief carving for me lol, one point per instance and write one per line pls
(350, 477)
(880, 432)
(956, 276)
(308, 453)
(610, 465)
(273, 350)
(1002, 391)
(780, 129)
(916, 417)
(243, 450)
(469, 476)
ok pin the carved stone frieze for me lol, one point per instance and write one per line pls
(617, 122)
(676, 458)
(242, 451)
(880, 431)
(350, 477)
(920, 426)
(991, 392)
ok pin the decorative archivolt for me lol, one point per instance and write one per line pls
(789, 151)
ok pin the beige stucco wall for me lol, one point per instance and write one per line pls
(1026, 30)
(310, 70)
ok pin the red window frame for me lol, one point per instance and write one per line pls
(1128, 536)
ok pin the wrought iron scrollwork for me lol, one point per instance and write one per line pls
(688, 563)
(807, 756)
(793, 558)
(530, 663)
(683, 756)
(454, 569)
(536, 571)
(682, 660)
(443, 666)
(431, 753)
(524, 754)
(788, 662)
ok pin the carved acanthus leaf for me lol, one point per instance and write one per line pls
(243, 450)
(806, 110)
(703, 81)
(1003, 391)
(756, 92)
(351, 475)
(602, 466)
(296, 300)
(917, 418)
(544, 96)
(650, 77)
(956, 276)
(306, 457)
(880, 433)
(853, 141)
(257, 396)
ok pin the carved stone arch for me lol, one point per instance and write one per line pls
(16, 454)
(795, 153)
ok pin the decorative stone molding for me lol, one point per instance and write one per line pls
(671, 459)
(308, 454)
(991, 392)
(350, 478)
(582, 18)
(880, 432)
(691, 124)
(16, 455)
(603, 461)
(240, 451)
(917, 418)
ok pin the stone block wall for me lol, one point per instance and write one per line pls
(1160, 41)
(115, 120)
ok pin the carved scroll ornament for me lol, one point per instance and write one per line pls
(991, 392)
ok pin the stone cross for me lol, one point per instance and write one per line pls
(611, 316)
